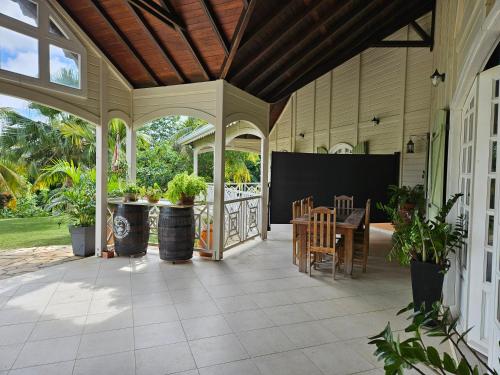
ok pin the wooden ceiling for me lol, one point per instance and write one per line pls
(267, 48)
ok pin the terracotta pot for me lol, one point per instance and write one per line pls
(130, 197)
(107, 254)
(204, 235)
(152, 200)
(186, 201)
(406, 211)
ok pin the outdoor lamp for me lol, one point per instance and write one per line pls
(375, 120)
(410, 147)
(437, 77)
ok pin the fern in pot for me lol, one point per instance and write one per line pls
(426, 245)
(78, 203)
(184, 188)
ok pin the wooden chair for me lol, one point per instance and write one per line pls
(306, 205)
(362, 241)
(343, 202)
(296, 212)
(322, 237)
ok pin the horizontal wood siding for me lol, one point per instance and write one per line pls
(390, 83)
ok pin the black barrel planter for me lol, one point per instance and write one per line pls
(176, 233)
(426, 283)
(131, 229)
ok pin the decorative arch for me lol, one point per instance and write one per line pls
(341, 148)
(253, 131)
(173, 111)
(253, 120)
(119, 115)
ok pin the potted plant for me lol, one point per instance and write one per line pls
(407, 199)
(78, 203)
(176, 225)
(426, 245)
(131, 193)
(152, 193)
(206, 236)
(184, 188)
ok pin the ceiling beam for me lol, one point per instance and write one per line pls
(156, 10)
(99, 45)
(258, 56)
(401, 44)
(392, 22)
(152, 34)
(189, 43)
(215, 26)
(130, 47)
(237, 37)
(344, 25)
(421, 32)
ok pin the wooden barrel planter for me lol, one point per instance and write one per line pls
(176, 233)
(131, 229)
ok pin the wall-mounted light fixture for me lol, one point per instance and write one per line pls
(375, 120)
(410, 146)
(302, 135)
(437, 77)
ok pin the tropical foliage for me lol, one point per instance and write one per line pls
(185, 186)
(430, 241)
(414, 354)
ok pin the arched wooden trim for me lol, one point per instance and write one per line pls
(248, 117)
(173, 111)
(119, 115)
(31, 95)
(340, 146)
(253, 131)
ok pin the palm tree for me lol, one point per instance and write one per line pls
(61, 172)
(10, 182)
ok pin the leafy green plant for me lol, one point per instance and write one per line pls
(185, 187)
(77, 202)
(400, 197)
(413, 353)
(425, 240)
(131, 189)
(152, 193)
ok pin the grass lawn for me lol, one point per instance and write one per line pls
(33, 231)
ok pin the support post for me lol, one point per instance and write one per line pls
(131, 154)
(101, 228)
(219, 160)
(195, 161)
(264, 178)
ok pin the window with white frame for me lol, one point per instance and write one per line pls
(36, 47)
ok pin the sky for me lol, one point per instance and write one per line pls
(21, 107)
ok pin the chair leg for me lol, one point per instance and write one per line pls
(294, 245)
(334, 265)
(309, 262)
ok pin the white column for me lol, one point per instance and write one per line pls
(131, 151)
(264, 178)
(219, 160)
(101, 187)
(195, 161)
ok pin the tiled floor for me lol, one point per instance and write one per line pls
(252, 313)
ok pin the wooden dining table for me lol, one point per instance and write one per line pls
(348, 220)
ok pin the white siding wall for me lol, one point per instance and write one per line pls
(390, 83)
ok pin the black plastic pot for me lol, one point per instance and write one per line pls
(176, 233)
(82, 240)
(131, 229)
(426, 283)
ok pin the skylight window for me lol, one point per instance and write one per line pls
(22, 10)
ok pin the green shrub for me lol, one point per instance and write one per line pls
(185, 186)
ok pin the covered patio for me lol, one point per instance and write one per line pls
(251, 314)
(294, 78)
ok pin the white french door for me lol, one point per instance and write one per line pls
(466, 180)
(484, 272)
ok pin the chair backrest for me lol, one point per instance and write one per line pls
(296, 209)
(306, 205)
(343, 202)
(322, 229)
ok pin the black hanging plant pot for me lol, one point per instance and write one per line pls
(426, 283)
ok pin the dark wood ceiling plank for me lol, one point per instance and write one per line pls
(237, 36)
(99, 45)
(156, 10)
(130, 47)
(344, 24)
(152, 34)
(401, 44)
(253, 63)
(189, 43)
(215, 26)
(386, 26)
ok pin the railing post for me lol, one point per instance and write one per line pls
(131, 153)
(195, 162)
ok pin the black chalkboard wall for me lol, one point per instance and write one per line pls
(297, 175)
